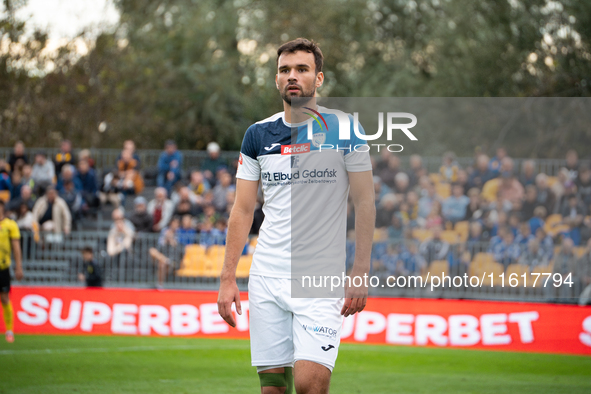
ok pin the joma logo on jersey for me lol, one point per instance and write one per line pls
(295, 149)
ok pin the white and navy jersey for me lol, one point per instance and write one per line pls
(303, 169)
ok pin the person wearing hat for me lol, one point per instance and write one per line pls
(140, 217)
(212, 163)
(43, 172)
(169, 166)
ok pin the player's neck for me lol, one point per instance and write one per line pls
(297, 114)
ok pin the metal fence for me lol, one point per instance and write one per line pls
(105, 159)
(57, 260)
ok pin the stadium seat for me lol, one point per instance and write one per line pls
(243, 269)
(546, 269)
(421, 234)
(579, 251)
(437, 268)
(483, 257)
(193, 262)
(450, 236)
(554, 225)
(5, 195)
(463, 229)
(214, 261)
(485, 268)
(519, 270)
(443, 190)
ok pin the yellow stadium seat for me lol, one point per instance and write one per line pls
(486, 268)
(5, 195)
(518, 270)
(450, 236)
(554, 225)
(254, 241)
(437, 268)
(243, 268)
(463, 229)
(545, 269)
(483, 257)
(214, 260)
(193, 262)
(421, 234)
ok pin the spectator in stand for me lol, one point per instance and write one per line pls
(546, 196)
(396, 228)
(411, 211)
(5, 182)
(514, 221)
(187, 234)
(503, 249)
(168, 248)
(428, 195)
(119, 243)
(463, 181)
(510, 188)
(198, 185)
(565, 261)
(435, 219)
(119, 214)
(214, 234)
(530, 202)
(454, 207)
(476, 239)
(533, 255)
(449, 168)
(64, 156)
(16, 184)
(129, 146)
(495, 162)
(416, 170)
(161, 209)
(573, 214)
(434, 248)
(51, 213)
(524, 235)
(140, 218)
(410, 261)
(43, 172)
(90, 271)
(386, 209)
(584, 275)
(73, 198)
(538, 220)
(401, 184)
(221, 189)
(528, 173)
(583, 184)
(25, 198)
(169, 166)
(572, 165)
(481, 173)
(17, 157)
(212, 163)
(68, 174)
(85, 155)
(388, 174)
(546, 242)
(380, 190)
(111, 192)
(87, 179)
(473, 209)
(184, 195)
(26, 178)
(129, 171)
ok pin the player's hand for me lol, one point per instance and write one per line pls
(355, 300)
(228, 294)
(18, 273)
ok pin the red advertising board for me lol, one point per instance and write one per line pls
(413, 322)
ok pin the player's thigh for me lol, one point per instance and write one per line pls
(311, 377)
(317, 325)
(271, 339)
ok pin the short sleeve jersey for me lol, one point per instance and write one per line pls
(303, 169)
(8, 232)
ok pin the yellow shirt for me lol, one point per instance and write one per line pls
(8, 231)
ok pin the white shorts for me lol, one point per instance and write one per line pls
(284, 329)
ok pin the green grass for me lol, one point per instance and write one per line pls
(94, 364)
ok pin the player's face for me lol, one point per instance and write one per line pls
(296, 75)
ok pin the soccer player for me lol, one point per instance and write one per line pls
(297, 333)
(9, 244)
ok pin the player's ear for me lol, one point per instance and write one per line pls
(319, 79)
(276, 83)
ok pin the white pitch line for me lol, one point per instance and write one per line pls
(117, 349)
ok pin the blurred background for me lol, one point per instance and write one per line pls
(101, 72)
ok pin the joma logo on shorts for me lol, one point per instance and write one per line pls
(321, 330)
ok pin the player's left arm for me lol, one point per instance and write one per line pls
(362, 194)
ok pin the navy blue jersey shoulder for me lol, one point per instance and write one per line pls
(265, 138)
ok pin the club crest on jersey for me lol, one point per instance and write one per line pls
(318, 139)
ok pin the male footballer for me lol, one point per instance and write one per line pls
(296, 340)
(9, 244)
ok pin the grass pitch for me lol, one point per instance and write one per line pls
(94, 364)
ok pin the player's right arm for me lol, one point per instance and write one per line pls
(239, 226)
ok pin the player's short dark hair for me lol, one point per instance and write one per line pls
(303, 44)
(87, 249)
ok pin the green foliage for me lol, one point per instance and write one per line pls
(202, 70)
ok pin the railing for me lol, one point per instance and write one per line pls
(57, 260)
(106, 159)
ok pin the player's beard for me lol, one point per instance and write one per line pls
(286, 96)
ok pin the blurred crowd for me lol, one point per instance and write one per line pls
(516, 215)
